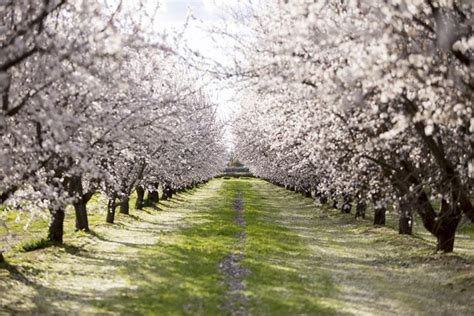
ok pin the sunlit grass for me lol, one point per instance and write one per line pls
(301, 258)
(180, 273)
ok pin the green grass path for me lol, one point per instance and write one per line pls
(300, 259)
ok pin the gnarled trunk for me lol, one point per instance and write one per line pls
(448, 221)
(405, 222)
(80, 204)
(323, 199)
(82, 223)
(445, 239)
(124, 205)
(111, 205)
(379, 215)
(80, 207)
(153, 196)
(166, 192)
(140, 197)
(346, 206)
(360, 209)
(56, 226)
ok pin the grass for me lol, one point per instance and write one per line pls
(302, 259)
(281, 281)
(35, 244)
(179, 275)
(467, 229)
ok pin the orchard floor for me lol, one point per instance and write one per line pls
(240, 247)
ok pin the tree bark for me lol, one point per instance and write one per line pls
(166, 192)
(140, 197)
(111, 205)
(379, 215)
(153, 196)
(449, 218)
(56, 226)
(346, 206)
(323, 199)
(405, 222)
(80, 207)
(445, 240)
(82, 223)
(124, 205)
(460, 194)
(360, 209)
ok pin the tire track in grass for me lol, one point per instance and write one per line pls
(232, 270)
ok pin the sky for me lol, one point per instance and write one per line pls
(173, 14)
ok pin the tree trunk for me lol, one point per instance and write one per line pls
(445, 240)
(80, 203)
(56, 226)
(111, 205)
(360, 209)
(346, 206)
(449, 218)
(379, 215)
(124, 207)
(153, 196)
(2, 259)
(166, 193)
(140, 196)
(460, 193)
(82, 222)
(405, 222)
(323, 199)
(334, 203)
(307, 194)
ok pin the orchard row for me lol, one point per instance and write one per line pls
(368, 102)
(93, 101)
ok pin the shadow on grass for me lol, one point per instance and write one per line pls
(43, 243)
(180, 275)
(278, 260)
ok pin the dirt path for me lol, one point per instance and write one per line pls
(232, 269)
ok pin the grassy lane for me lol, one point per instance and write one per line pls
(179, 275)
(297, 258)
(101, 272)
(283, 279)
(350, 265)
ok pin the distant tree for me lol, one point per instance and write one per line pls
(362, 99)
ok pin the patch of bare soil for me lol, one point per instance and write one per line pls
(232, 270)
